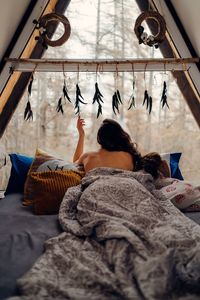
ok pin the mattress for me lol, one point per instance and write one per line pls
(195, 216)
(22, 237)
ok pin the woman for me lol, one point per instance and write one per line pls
(116, 150)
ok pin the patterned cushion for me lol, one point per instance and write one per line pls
(181, 193)
(47, 181)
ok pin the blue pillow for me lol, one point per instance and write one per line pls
(174, 165)
(18, 174)
(173, 162)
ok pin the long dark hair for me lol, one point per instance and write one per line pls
(112, 137)
(151, 163)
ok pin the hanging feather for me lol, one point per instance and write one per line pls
(115, 102)
(132, 98)
(146, 98)
(30, 85)
(28, 114)
(132, 102)
(78, 100)
(98, 98)
(59, 107)
(163, 99)
(65, 92)
(99, 110)
(97, 95)
(119, 97)
(150, 104)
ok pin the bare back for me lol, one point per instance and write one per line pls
(104, 158)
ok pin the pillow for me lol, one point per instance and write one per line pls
(49, 189)
(173, 163)
(47, 181)
(20, 165)
(3, 158)
(5, 168)
(181, 193)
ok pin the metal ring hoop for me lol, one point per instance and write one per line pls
(59, 18)
(160, 35)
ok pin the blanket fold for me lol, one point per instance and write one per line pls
(122, 240)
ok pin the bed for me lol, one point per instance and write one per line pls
(115, 237)
(22, 237)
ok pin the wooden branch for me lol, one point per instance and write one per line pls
(103, 65)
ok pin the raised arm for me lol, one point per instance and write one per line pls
(80, 145)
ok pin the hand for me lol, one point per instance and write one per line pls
(79, 125)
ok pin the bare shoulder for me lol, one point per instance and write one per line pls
(86, 155)
(90, 153)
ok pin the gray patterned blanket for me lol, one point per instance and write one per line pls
(121, 240)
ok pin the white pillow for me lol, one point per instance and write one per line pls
(3, 158)
(181, 193)
(5, 168)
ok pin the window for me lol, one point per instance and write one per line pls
(104, 29)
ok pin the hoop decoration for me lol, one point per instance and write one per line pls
(151, 40)
(42, 26)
